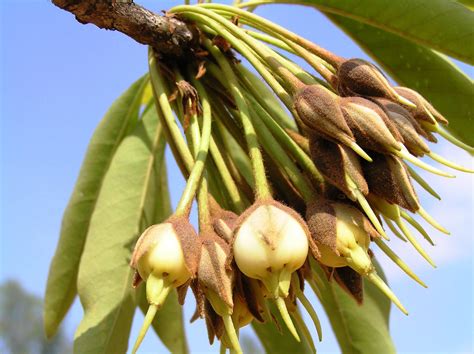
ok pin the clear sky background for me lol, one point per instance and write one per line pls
(57, 79)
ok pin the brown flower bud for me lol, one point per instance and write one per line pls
(368, 124)
(408, 127)
(423, 111)
(216, 279)
(223, 221)
(319, 109)
(215, 273)
(357, 77)
(389, 179)
(337, 163)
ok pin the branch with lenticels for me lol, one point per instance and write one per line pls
(166, 34)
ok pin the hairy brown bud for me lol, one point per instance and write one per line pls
(337, 163)
(215, 274)
(357, 77)
(319, 110)
(367, 122)
(389, 179)
(423, 111)
(408, 127)
(223, 221)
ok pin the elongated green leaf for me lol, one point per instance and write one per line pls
(359, 329)
(124, 202)
(445, 26)
(61, 288)
(428, 72)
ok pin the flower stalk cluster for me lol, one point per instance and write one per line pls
(295, 175)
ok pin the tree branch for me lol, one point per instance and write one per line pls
(166, 34)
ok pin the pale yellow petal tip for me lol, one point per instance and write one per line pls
(406, 102)
(380, 284)
(280, 302)
(404, 154)
(449, 163)
(424, 214)
(384, 235)
(359, 151)
(150, 314)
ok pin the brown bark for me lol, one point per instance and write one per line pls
(167, 35)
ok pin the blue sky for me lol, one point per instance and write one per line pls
(57, 78)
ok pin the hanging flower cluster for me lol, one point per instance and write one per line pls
(285, 192)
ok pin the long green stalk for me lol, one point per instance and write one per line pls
(262, 189)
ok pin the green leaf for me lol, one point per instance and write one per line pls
(428, 72)
(468, 3)
(61, 288)
(445, 26)
(125, 206)
(359, 329)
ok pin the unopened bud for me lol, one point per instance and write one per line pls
(337, 163)
(216, 279)
(223, 221)
(215, 274)
(389, 179)
(367, 123)
(357, 77)
(423, 111)
(407, 126)
(319, 110)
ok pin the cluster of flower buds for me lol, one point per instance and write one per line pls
(359, 138)
(351, 142)
(234, 267)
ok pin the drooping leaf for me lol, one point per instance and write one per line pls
(445, 26)
(432, 74)
(126, 199)
(358, 329)
(61, 288)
